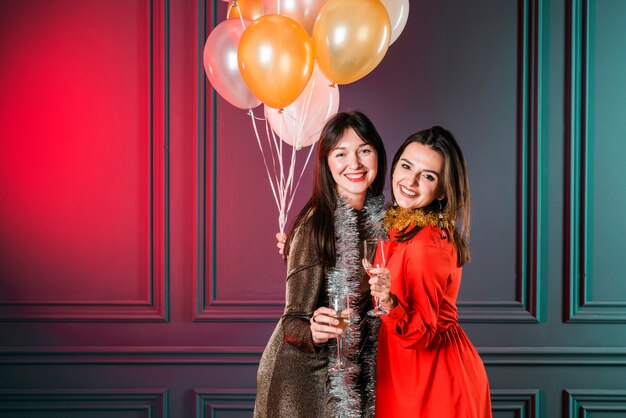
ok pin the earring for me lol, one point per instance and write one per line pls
(443, 229)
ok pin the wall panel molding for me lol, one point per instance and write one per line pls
(155, 307)
(156, 355)
(207, 306)
(522, 403)
(213, 403)
(579, 307)
(581, 403)
(530, 242)
(250, 356)
(553, 356)
(151, 402)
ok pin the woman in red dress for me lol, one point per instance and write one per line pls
(427, 367)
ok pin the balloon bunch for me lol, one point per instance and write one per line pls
(291, 55)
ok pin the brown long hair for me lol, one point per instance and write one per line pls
(323, 200)
(454, 182)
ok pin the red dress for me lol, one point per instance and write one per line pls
(427, 367)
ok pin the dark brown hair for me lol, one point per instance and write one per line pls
(322, 203)
(454, 183)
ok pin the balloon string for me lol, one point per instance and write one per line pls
(299, 133)
(281, 195)
(243, 24)
(293, 189)
(235, 4)
(272, 143)
(306, 162)
(292, 164)
(283, 180)
(279, 148)
(256, 132)
(269, 145)
(283, 185)
(273, 135)
(256, 117)
(287, 189)
(304, 111)
(284, 188)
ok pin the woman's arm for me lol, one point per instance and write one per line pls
(305, 278)
(427, 271)
(301, 300)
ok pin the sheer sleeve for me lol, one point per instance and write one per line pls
(427, 271)
(305, 284)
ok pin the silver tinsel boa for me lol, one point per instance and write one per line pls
(345, 279)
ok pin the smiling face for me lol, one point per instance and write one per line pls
(416, 179)
(353, 164)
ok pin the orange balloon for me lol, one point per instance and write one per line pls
(351, 37)
(275, 59)
(250, 9)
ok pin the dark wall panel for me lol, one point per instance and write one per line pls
(124, 403)
(598, 292)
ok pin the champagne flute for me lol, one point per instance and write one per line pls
(341, 305)
(373, 258)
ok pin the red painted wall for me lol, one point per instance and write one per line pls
(82, 161)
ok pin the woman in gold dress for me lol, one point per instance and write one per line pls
(296, 377)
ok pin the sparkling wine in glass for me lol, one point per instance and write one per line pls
(341, 305)
(373, 258)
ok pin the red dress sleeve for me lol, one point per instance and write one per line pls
(426, 269)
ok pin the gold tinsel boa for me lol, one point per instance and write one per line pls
(398, 218)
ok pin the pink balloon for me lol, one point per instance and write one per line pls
(301, 122)
(302, 11)
(222, 67)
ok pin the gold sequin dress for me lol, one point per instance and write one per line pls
(292, 379)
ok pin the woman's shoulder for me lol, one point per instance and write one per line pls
(430, 238)
(429, 250)
(304, 225)
(302, 239)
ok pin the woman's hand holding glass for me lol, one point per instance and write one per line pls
(325, 325)
(374, 262)
(380, 287)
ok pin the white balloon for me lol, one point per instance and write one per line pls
(302, 11)
(301, 123)
(398, 11)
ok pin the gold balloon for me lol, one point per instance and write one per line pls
(249, 9)
(350, 38)
(275, 59)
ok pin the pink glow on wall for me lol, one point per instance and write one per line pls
(75, 160)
